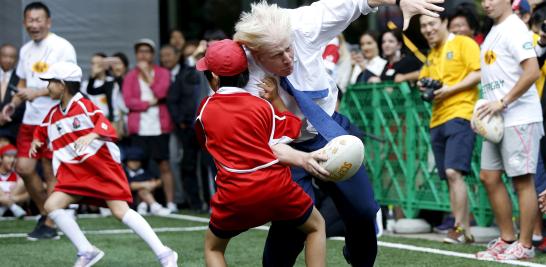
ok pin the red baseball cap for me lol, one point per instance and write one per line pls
(8, 149)
(224, 58)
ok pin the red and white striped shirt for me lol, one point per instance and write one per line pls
(95, 172)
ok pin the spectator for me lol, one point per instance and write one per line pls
(453, 60)
(464, 21)
(141, 181)
(189, 48)
(36, 56)
(145, 89)
(177, 40)
(509, 70)
(12, 188)
(8, 88)
(367, 63)
(169, 57)
(119, 66)
(399, 63)
(104, 90)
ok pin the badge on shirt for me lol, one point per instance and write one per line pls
(489, 57)
(104, 126)
(449, 55)
(59, 128)
(528, 45)
(40, 67)
(76, 123)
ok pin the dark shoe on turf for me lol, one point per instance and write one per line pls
(43, 232)
(346, 254)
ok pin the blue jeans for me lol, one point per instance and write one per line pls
(354, 200)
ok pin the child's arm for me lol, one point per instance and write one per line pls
(270, 93)
(307, 161)
(103, 128)
(39, 137)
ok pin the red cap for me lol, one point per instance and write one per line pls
(9, 148)
(224, 58)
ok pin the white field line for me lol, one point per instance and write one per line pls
(445, 252)
(265, 228)
(123, 231)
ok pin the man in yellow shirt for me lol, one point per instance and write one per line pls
(453, 60)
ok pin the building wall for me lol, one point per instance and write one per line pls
(91, 26)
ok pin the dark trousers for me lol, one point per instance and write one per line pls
(188, 167)
(354, 200)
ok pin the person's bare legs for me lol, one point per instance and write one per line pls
(528, 206)
(167, 178)
(49, 177)
(146, 196)
(25, 167)
(215, 248)
(537, 227)
(458, 199)
(500, 202)
(315, 243)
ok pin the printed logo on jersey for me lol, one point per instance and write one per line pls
(40, 67)
(59, 128)
(528, 45)
(489, 57)
(104, 126)
(449, 55)
(76, 124)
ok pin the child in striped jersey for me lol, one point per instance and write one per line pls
(87, 165)
(12, 188)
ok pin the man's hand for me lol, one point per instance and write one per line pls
(312, 166)
(489, 109)
(270, 89)
(542, 40)
(542, 201)
(442, 93)
(8, 111)
(34, 147)
(27, 94)
(83, 142)
(411, 8)
(152, 102)
(144, 69)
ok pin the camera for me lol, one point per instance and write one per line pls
(430, 86)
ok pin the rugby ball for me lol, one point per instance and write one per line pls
(345, 155)
(490, 127)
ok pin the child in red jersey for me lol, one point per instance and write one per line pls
(12, 188)
(87, 165)
(245, 136)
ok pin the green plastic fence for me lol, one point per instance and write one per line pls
(401, 166)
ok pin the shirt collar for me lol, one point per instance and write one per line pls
(230, 90)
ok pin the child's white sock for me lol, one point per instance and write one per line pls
(70, 228)
(17, 210)
(144, 231)
(537, 237)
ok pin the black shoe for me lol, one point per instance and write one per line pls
(346, 254)
(43, 231)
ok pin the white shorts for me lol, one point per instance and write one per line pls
(517, 153)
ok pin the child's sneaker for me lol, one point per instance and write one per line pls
(447, 223)
(168, 258)
(87, 259)
(517, 251)
(458, 235)
(495, 247)
(157, 209)
(142, 208)
(171, 206)
(17, 211)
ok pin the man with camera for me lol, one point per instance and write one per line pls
(449, 81)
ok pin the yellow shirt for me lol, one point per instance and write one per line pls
(451, 63)
(540, 82)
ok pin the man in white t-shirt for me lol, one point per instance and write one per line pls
(509, 69)
(36, 57)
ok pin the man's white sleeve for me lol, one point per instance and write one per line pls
(325, 19)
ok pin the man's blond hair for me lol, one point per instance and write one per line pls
(265, 28)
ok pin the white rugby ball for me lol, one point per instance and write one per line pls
(490, 127)
(345, 156)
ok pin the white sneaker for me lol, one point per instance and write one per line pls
(495, 247)
(157, 209)
(87, 259)
(17, 211)
(171, 206)
(517, 251)
(142, 208)
(105, 212)
(168, 259)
